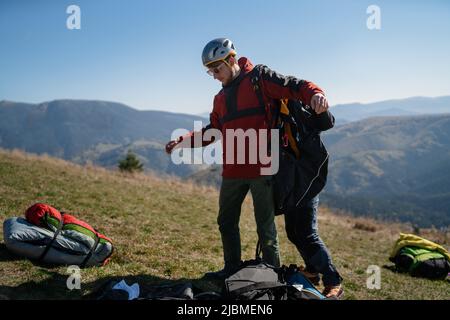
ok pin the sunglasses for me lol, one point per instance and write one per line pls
(215, 70)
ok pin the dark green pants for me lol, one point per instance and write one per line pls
(232, 194)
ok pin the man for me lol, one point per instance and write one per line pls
(237, 106)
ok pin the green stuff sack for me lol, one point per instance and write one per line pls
(420, 257)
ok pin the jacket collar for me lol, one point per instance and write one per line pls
(246, 67)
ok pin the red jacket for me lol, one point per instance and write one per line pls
(232, 110)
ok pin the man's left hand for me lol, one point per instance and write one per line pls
(319, 103)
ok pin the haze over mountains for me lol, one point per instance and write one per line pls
(350, 112)
(345, 113)
(395, 167)
(392, 167)
(97, 131)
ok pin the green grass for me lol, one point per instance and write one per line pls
(165, 231)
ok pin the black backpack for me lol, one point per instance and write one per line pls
(303, 158)
(257, 280)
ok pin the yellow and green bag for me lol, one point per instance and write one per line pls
(420, 257)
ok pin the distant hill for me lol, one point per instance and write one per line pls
(97, 131)
(204, 115)
(351, 112)
(393, 168)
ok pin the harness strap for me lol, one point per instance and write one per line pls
(258, 250)
(241, 114)
(91, 252)
(49, 245)
(231, 99)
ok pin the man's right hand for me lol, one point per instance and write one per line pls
(319, 103)
(172, 144)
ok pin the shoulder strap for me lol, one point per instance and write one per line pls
(255, 79)
(255, 76)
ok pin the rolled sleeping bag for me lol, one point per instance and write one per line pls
(70, 242)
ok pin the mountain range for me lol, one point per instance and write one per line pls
(350, 112)
(93, 131)
(392, 167)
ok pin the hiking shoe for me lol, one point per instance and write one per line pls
(333, 292)
(314, 278)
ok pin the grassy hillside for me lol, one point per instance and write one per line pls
(165, 230)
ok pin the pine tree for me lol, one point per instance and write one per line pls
(131, 163)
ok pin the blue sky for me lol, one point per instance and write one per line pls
(146, 54)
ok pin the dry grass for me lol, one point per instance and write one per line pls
(165, 230)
